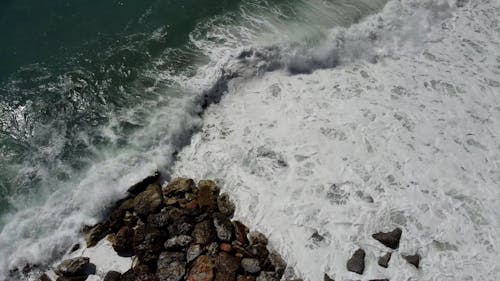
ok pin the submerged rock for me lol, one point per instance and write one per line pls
(357, 262)
(383, 261)
(389, 239)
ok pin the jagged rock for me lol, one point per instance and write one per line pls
(241, 232)
(223, 227)
(245, 278)
(226, 207)
(212, 249)
(148, 243)
(115, 220)
(207, 192)
(327, 278)
(383, 261)
(250, 265)
(178, 186)
(257, 238)
(95, 233)
(193, 252)
(171, 266)
(129, 275)
(389, 239)
(204, 232)
(267, 276)
(277, 262)
(178, 242)
(226, 266)
(413, 259)
(123, 239)
(141, 186)
(112, 276)
(149, 200)
(44, 277)
(74, 267)
(357, 262)
(202, 269)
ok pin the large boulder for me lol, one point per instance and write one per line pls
(171, 266)
(389, 239)
(142, 185)
(178, 186)
(148, 201)
(357, 262)
(204, 232)
(79, 266)
(202, 269)
(95, 233)
(122, 242)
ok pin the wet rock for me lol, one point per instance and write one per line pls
(178, 186)
(112, 276)
(241, 232)
(226, 266)
(178, 242)
(383, 261)
(129, 275)
(207, 192)
(413, 259)
(327, 278)
(44, 277)
(171, 266)
(95, 233)
(277, 262)
(149, 200)
(257, 238)
(245, 278)
(258, 251)
(204, 232)
(75, 267)
(389, 239)
(148, 243)
(226, 207)
(202, 269)
(141, 186)
(123, 239)
(357, 262)
(223, 227)
(250, 265)
(115, 220)
(193, 252)
(267, 276)
(212, 249)
(75, 247)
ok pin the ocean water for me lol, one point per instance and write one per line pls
(341, 118)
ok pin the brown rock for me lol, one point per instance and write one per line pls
(383, 261)
(122, 242)
(44, 277)
(250, 265)
(115, 220)
(171, 266)
(129, 275)
(95, 233)
(141, 186)
(226, 266)
(413, 259)
(112, 276)
(79, 266)
(148, 201)
(277, 262)
(193, 204)
(245, 278)
(204, 232)
(226, 247)
(257, 238)
(389, 239)
(241, 232)
(178, 186)
(148, 243)
(202, 269)
(207, 193)
(357, 262)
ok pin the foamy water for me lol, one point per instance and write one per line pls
(409, 138)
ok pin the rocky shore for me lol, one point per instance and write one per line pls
(184, 231)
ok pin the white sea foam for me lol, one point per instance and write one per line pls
(408, 139)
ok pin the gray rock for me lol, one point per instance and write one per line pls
(250, 265)
(171, 266)
(267, 276)
(226, 207)
(383, 261)
(212, 249)
(357, 262)
(389, 239)
(223, 227)
(193, 252)
(177, 242)
(74, 267)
